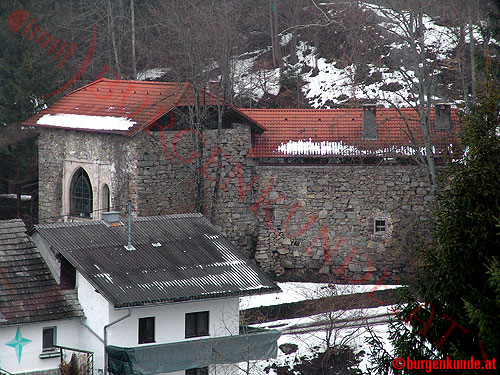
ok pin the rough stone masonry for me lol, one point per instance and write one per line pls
(300, 222)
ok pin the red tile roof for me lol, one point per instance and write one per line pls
(338, 132)
(138, 103)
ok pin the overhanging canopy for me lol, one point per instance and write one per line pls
(178, 356)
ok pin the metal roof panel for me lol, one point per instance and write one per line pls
(176, 258)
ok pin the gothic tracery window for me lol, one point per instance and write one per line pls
(81, 195)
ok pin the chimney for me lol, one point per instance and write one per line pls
(442, 116)
(369, 122)
(111, 218)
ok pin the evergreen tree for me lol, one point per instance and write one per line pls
(27, 72)
(454, 310)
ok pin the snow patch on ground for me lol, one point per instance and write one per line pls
(333, 84)
(297, 291)
(254, 83)
(150, 74)
(310, 342)
(308, 147)
(338, 85)
(73, 121)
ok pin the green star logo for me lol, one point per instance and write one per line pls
(17, 343)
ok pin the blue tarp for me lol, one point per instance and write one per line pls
(178, 356)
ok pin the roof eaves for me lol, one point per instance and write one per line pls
(238, 293)
(118, 132)
(258, 125)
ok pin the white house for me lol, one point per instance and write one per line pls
(167, 301)
(33, 309)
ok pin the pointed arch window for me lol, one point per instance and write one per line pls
(81, 195)
(106, 198)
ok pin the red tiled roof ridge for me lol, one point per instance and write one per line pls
(326, 110)
(102, 80)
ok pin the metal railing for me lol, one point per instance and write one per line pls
(88, 364)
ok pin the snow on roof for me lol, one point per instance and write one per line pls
(24, 197)
(86, 122)
(308, 147)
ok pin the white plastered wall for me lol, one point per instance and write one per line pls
(170, 321)
(67, 334)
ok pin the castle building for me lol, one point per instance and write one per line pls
(307, 193)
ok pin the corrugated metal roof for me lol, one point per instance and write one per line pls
(139, 102)
(28, 292)
(177, 258)
(343, 129)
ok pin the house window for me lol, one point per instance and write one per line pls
(146, 330)
(197, 371)
(48, 338)
(380, 226)
(197, 324)
(106, 198)
(81, 194)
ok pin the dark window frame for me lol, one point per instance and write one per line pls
(197, 324)
(197, 371)
(67, 276)
(380, 226)
(81, 195)
(146, 330)
(106, 198)
(49, 346)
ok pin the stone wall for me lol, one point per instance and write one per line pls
(165, 176)
(317, 213)
(290, 218)
(238, 186)
(107, 159)
(313, 222)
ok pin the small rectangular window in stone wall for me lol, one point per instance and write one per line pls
(379, 226)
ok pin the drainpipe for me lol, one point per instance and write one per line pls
(106, 338)
(91, 330)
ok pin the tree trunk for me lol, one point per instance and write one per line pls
(277, 42)
(425, 103)
(271, 23)
(132, 21)
(293, 48)
(471, 53)
(111, 30)
(215, 195)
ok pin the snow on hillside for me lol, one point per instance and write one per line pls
(249, 81)
(334, 85)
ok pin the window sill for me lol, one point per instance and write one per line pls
(196, 336)
(50, 354)
(72, 218)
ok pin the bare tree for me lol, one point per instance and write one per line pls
(418, 70)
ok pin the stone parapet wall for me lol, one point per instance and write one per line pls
(318, 213)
